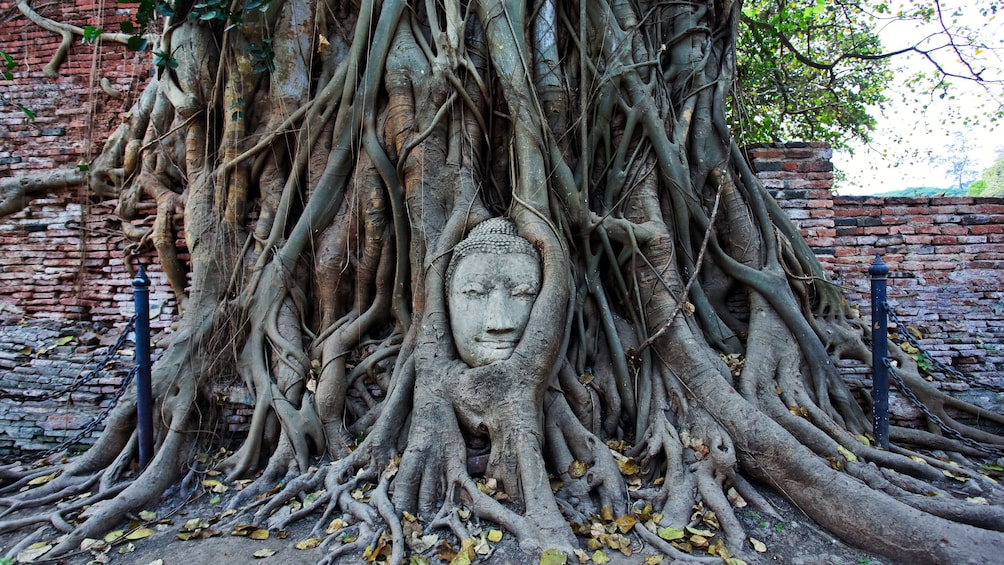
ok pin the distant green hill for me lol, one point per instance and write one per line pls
(925, 192)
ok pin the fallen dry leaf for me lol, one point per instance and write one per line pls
(43, 479)
(577, 469)
(628, 466)
(625, 522)
(758, 546)
(309, 543)
(33, 552)
(335, 525)
(139, 533)
(263, 553)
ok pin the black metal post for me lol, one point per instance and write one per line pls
(144, 396)
(880, 351)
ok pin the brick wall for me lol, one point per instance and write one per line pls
(68, 263)
(945, 258)
(72, 113)
(65, 293)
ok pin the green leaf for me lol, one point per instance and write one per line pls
(553, 557)
(27, 112)
(127, 27)
(136, 43)
(671, 534)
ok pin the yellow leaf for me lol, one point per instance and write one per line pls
(148, 515)
(718, 549)
(241, 529)
(259, 534)
(263, 553)
(847, 453)
(322, 43)
(652, 560)
(577, 469)
(494, 536)
(43, 479)
(698, 541)
(758, 546)
(309, 543)
(33, 552)
(553, 557)
(735, 498)
(700, 532)
(960, 478)
(628, 466)
(600, 558)
(670, 534)
(139, 533)
(113, 535)
(335, 525)
(625, 522)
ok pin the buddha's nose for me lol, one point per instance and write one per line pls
(498, 318)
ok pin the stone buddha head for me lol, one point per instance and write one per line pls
(491, 284)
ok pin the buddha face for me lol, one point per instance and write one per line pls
(490, 298)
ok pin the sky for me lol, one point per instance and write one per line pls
(909, 139)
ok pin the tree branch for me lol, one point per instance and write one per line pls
(16, 192)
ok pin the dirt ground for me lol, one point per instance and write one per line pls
(795, 540)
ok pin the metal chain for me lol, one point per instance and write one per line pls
(935, 363)
(93, 425)
(945, 428)
(110, 354)
(80, 381)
